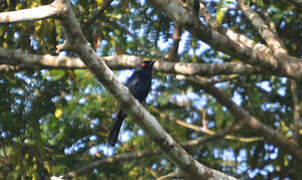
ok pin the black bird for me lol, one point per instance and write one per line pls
(139, 85)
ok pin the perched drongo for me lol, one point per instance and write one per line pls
(139, 85)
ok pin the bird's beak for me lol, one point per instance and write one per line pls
(153, 62)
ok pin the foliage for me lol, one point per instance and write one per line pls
(55, 121)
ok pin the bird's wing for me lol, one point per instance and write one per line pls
(130, 83)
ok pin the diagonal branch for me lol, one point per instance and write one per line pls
(242, 115)
(256, 57)
(186, 18)
(220, 134)
(265, 31)
(191, 168)
(173, 175)
(230, 33)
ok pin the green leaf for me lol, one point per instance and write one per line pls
(221, 10)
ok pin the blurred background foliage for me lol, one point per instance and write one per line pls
(55, 121)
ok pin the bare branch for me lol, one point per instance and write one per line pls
(39, 13)
(241, 114)
(140, 115)
(14, 57)
(6, 68)
(212, 135)
(186, 18)
(265, 31)
(230, 33)
(257, 57)
(66, 46)
(177, 174)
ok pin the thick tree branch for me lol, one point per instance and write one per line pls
(253, 123)
(265, 31)
(191, 168)
(268, 20)
(186, 18)
(7, 68)
(292, 67)
(39, 13)
(257, 57)
(230, 33)
(13, 57)
(273, 41)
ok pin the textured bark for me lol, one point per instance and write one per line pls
(224, 42)
(13, 57)
(265, 31)
(227, 42)
(292, 67)
(191, 168)
(34, 14)
(252, 122)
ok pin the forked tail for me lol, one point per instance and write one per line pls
(115, 130)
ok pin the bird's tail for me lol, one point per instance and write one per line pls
(114, 132)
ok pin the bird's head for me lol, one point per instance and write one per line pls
(146, 65)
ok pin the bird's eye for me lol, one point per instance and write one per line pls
(143, 64)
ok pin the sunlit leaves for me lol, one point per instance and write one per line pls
(221, 10)
(58, 113)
